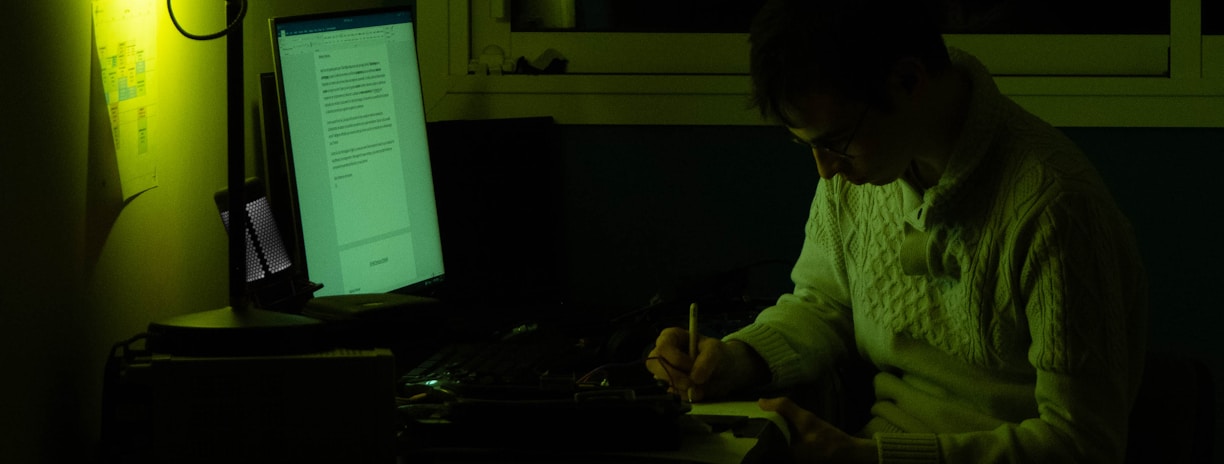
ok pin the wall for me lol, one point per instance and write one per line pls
(1166, 182)
(41, 183)
(82, 268)
(651, 209)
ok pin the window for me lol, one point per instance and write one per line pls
(1080, 63)
(1213, 39)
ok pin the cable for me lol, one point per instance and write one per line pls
(126, 345)
(587, 377)
(667, 367)
(242, 9)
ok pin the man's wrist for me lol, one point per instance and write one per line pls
(750, 366)
(864, 451)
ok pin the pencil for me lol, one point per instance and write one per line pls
(693, 330)
(692, 340)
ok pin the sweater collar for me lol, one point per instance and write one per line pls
(984, 115)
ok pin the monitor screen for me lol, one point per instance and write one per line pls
(358, 158)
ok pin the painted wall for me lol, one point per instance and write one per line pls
(82, 268)
(44, 142)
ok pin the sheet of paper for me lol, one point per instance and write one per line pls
(742, 408)
(706, 447)
(125, 32)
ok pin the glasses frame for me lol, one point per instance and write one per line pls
(840, 153)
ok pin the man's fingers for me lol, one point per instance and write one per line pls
(798, 417)
(669, 361)
(670, 345)
(776, 405)
(709, 356)
(672, 336)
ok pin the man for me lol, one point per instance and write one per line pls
(961, 246)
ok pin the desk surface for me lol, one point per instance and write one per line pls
(711, 433)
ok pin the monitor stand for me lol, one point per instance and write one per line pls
(237, 332)
(367, 306)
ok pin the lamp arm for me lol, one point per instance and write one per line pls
(235, 22)
(236, 160)
(235, 12)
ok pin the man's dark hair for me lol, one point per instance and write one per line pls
(839, 47)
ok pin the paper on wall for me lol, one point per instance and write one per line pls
(125, 32)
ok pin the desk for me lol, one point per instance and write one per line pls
(711, 433)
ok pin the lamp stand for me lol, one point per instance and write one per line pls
(240, 328)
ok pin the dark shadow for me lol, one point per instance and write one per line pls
(104, 189)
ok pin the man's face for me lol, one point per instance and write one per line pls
(862, 143)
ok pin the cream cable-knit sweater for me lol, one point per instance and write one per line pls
(1005, 308)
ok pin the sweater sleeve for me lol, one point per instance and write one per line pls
(1083, 294)
(802, 335)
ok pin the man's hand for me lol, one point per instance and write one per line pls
(815, 441)
(718, 370)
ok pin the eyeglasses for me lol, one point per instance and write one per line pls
(841, 153)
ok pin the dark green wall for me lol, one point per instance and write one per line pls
(1166, 180)
(649, 205)
(652, 207)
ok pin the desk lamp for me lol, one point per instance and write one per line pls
(240, 328)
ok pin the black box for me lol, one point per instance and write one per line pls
(333, 406)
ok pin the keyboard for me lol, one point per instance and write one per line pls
(542, 367)
(488, 363)
(531, 394)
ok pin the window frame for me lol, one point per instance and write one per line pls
(1174, 80)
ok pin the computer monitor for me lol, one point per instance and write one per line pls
(358, 162)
